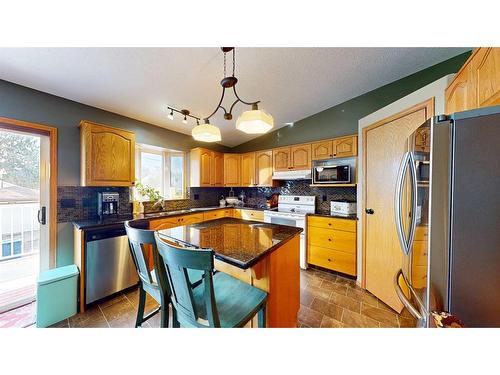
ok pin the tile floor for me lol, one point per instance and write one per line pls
(327, 301)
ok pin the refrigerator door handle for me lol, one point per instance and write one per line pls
(397, 202)
(414, 187)
(402, 297)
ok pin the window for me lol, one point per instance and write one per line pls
(161, 169)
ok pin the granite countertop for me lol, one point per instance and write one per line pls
(241, 243)
(339, 216)
(121, 219)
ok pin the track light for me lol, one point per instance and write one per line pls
(185, 121)
(171, 115)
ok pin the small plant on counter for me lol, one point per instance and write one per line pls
(147, 191)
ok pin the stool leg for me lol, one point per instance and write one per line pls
(175, 322)
(140, 308)
(164, 311)
(262, 317)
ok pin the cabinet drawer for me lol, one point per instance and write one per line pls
(249, 215)
(419, 276)
(332, 239)
(421, 233)
(216, 214)
(332, 223)
(420, 253)
(175, 221)
(333, 260)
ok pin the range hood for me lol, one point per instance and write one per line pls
(304, 174)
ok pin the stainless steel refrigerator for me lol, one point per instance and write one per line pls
(447, 211)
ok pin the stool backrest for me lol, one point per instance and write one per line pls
(177, 261)
(138, 239)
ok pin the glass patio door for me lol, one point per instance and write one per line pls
(24, 232)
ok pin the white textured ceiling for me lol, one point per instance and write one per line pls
(292, 83)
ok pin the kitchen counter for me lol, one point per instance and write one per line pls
(238, 242)
(114, 220)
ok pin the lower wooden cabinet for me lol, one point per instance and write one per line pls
(331, 243)
(217, 214)
(166, 223)
(248, 214)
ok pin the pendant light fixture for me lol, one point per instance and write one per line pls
(254, 121)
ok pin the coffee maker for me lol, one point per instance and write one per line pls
(107, 203)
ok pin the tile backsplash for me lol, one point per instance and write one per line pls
(80, 203)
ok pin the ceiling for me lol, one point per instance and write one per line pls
(292, 83)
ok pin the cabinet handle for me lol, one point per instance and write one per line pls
(330, 239)
(329, 260)
(331, 155)
(330, 224)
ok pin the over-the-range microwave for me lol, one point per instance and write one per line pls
(331, 173)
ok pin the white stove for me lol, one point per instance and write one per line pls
(292, 210)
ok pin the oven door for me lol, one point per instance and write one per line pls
(332, 174)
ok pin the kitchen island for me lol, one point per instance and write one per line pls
(261, 254)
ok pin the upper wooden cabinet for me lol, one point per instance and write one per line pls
(301, 157)
(293, 157)
(345, 147)
(281, 159)
(107, 155)
(264, 168)
(207, 168)
(322, 150)
(232, 170)
(248, 170)
(335, 148)
(477, 84)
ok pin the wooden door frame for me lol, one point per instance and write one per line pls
(51, 132)
(428, 105)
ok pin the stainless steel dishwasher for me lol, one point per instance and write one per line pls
(109, 265)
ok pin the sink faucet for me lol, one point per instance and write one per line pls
(161, 203)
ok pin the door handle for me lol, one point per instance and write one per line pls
(41, 215)
(369, 211)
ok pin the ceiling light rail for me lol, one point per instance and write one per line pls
(254, 121)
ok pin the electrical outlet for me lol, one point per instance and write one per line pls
(196, 197)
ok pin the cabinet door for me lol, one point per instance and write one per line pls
(345, 147)
(264, 168)
(301, 157)
(322, 150)
(486, 70)
(459, 95)
(107, 155)
(232, 170)
(281, 159)
(217, 176)
(206, 163)
(248, 169)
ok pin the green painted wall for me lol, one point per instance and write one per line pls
(26, 104)
(343, 119)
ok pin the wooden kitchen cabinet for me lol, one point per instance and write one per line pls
(331, 243)
(246, 214)
(292, 158)
(107, 155)
(171, 222)
(477, 83)
(264, 168)
(248, 169)
(322, 150)
(345, 147)
(207, 168)
(281, 159)
(232, 170)
(301, 157)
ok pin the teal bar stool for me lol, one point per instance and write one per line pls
(148, 280)
(219, 301)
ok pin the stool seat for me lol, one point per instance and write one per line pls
(237, 302)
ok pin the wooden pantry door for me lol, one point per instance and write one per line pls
(384, 144)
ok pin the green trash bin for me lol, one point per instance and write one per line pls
(56, 295)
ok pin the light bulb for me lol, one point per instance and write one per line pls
(171, 115)
(185, 120)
